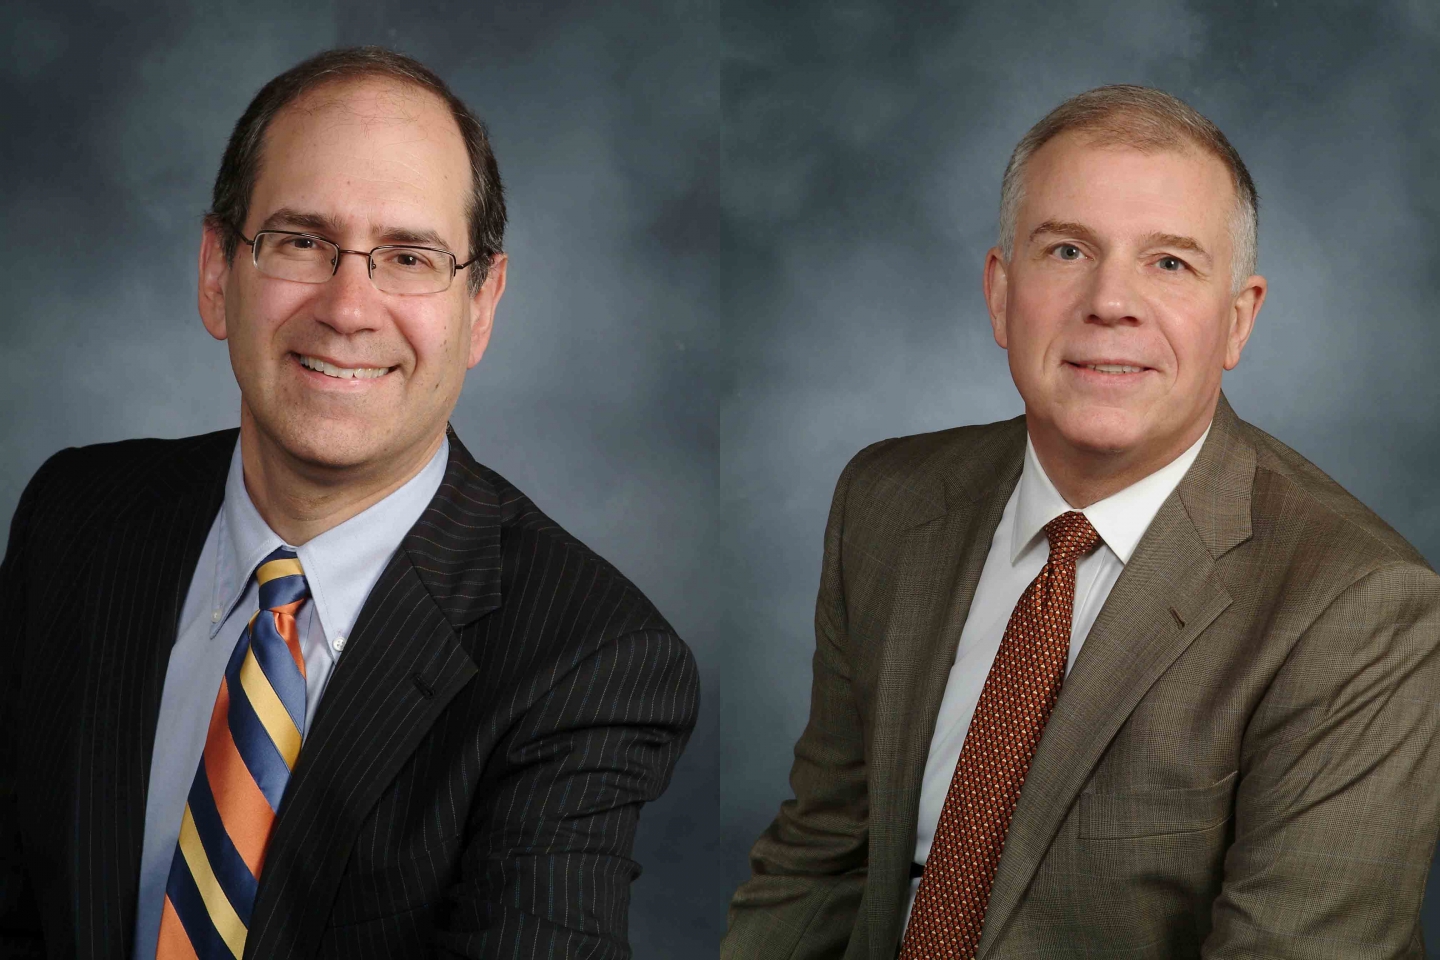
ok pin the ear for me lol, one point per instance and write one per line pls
(482, 308)
(214, 274)
(1243, 311)
(997, 289)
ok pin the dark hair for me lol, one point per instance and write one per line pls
(240, 166)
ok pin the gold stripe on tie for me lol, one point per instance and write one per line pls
(227, 922)
(277, 568)
(272, 713)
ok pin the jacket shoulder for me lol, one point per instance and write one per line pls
(911, 479)
(79, 486)
(544, 564)
(1297, 502)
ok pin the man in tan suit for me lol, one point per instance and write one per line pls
(1214, 673)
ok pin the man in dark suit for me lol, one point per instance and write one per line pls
(1125, 676)
(326, 686)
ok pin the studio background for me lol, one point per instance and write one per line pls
(863, 148)
(597, 396)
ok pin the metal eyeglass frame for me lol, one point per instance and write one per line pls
(369, 255)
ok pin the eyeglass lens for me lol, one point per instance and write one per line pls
(404, 270)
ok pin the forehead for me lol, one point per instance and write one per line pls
(367, 149)
(1075, 177)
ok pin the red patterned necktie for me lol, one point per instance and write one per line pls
(1020, 691)
(251, 747)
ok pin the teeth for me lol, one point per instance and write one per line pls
(1113, 368)
(342, 373)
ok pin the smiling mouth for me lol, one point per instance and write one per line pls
(1110, 367)
(342, 373)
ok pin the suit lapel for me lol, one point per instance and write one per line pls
(1166, 596)
(402, 667)
(936, 571)
(147, 558)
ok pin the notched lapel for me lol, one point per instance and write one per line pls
(1167, 595)
(935, 575)
(403, 665)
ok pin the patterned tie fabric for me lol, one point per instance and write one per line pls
(251, 747)
(1019, 693)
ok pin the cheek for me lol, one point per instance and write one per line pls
(1030, 334)
(437, 342)
(265, 311)
(1198, 344)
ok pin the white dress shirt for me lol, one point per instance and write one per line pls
(1017, 552)
(341, 566)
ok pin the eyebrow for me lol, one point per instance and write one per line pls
(325, 224)
(1075, 229)
(1177, 241)
(1069, 227)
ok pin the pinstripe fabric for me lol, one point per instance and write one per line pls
(472, 780)
(1241, 762)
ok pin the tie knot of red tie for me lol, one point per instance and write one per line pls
(1071, 537)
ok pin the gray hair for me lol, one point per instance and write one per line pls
(1145, 119)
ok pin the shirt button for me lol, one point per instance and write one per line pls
(215, 617)
(339, 644)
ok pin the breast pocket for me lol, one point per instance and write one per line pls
(1156, 813)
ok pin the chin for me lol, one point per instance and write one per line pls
(331, 445)
(1101, 430)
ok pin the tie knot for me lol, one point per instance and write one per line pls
(281, 579)
(1071, 537)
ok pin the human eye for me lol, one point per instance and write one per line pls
(1171, 264)
(1066, 251)
(410, 259)
(296, 246)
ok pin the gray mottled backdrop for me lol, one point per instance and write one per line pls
(863, 147)
(598, 395)
(706, 320)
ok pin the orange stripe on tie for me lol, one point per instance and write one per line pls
(174, 944)
(289, 632)
(243, 809)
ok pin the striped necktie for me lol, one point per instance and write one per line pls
(251, 747)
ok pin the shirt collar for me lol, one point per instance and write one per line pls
(341, 564)
(1121, 519)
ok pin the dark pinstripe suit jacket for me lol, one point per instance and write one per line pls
(473, 778)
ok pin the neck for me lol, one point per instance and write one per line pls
(301, 500)
(1084, 476)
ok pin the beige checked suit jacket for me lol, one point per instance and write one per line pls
(1244, 760)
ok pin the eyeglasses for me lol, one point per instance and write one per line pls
(393, 268)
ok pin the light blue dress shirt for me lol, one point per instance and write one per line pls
(341, 566)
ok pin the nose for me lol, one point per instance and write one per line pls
(1114, 297)
(346, 302)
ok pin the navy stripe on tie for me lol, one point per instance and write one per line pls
(230, 869)
(192, 913)
(283, 590)
(259, 752)
(280, 669)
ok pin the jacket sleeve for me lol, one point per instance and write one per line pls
(809, 866)
(549, 873)
(20, 933)
(1337, 810)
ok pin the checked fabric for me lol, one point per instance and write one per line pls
(251, 747)
(1019, 693)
